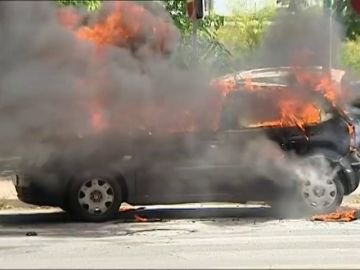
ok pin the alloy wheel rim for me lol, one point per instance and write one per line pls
(318, 189)
(319, 195)
(96, 196)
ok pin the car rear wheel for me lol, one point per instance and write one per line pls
(95, 199)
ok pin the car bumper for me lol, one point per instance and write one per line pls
(351, 170)
(38, 191)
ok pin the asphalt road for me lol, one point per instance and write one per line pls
(217, 238)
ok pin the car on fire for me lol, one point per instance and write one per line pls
(171, 168)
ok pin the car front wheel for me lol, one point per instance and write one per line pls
(322, 198)
(320, 189)
(95, 199)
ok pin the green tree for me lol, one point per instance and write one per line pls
(351, 56)
(89, 4)
(177, 10)
(351, 47)
(211, 52)
(346, 14)
(243, 32)
(294, 5)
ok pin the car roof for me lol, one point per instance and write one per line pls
(275, 76)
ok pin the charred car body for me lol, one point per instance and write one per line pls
(203, 166)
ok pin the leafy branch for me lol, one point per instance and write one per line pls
(89, 4)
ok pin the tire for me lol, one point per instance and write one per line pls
(95, 198)
(335, 202)
(312, 197)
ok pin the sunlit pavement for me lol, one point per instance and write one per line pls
(223, 236)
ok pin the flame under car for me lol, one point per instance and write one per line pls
(219, 165)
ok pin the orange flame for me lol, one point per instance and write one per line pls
(97, 118)
(299, 112)
(139, 218)
(224, 85)
(127, 25)
(67, 17)
(293, 113)
(319, 82)
(340, 214)
(351, 130)
(248, 83)
(293, 110)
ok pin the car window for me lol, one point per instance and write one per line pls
(260, 109)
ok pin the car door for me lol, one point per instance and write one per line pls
(204, 168)
(159, 178)
(186, 168)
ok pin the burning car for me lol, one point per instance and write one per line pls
(293, 108)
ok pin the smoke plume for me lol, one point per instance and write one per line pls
(55, 84)
(74, 90)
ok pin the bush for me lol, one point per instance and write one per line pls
(351, 55)
(243, 32)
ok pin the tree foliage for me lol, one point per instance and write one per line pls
(244, 31)
(177, 10)
(210, 51)
(294, 5)
(206, 27)
(346, 14)
(89, 4)
(351, 56)
(207, 42)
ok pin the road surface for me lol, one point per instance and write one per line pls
(234, 237)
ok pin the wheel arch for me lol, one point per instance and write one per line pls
(120, 178)
(338, 160)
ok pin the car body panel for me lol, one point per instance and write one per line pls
(197, 166)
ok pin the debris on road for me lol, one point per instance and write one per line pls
(125, 208)
(140, 218)
(128, 207)
(343, 214)
(31, 234)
